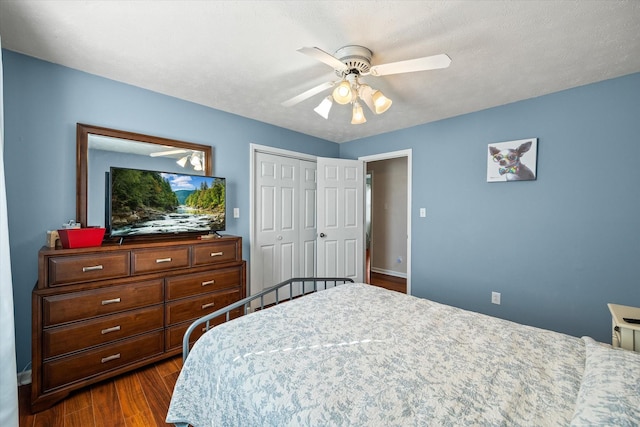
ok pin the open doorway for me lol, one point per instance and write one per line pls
(388, 226)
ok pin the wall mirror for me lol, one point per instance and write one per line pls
(98, 148)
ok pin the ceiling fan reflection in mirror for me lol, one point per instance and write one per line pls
(167, 152)
(350, 64)
(193, 157)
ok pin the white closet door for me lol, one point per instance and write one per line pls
(285, 192)
(307, 214)
(340, 216)
(277, 221)
(291, 199)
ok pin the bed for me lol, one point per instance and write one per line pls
(359, 355)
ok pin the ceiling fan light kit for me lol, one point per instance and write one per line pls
(348, 92)
(183, 161)
(352, 62)
(358, 115)
(193, 159)
(324, 107)
(342, 94)
(380, 102)
(196, 162)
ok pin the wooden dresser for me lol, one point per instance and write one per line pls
(99, 312)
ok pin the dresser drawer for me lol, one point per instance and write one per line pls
(192, 308)
(80, 335)
(82, 305)
(175, 334)
(84, 268)
(193, 284)
(152, 260)
(215, 253)
(102, 359)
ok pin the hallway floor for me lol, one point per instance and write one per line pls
(392, 283)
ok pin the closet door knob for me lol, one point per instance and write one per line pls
(323, 235)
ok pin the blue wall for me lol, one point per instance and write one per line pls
(558, 248)
(43, 102)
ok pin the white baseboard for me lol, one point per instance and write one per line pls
(24, 377)
(389, 272)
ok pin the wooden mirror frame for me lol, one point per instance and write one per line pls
(82, 158)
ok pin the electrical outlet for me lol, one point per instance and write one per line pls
(423, 212)
(495, 298)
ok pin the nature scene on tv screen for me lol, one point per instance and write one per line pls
(149, 202)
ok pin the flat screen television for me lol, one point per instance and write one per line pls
(146, 203)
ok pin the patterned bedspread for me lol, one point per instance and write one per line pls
(359, 355)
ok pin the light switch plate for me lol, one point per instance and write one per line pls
(495, 298)
(236, 212)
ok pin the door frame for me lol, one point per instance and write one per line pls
(253, 149)
(393, 155)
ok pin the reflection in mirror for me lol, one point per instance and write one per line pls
(98, 149)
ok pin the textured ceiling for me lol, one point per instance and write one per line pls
(240, 56)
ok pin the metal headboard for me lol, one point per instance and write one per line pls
(246, 302)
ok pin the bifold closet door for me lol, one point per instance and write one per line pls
(285, 192)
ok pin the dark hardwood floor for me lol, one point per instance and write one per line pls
(393, 283)
(138, 399)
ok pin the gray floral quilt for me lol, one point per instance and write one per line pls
(358, 355)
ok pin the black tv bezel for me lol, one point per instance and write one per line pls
(155, 236)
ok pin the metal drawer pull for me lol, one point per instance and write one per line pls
(211, 304)
(217, 253)
(208, 282)
(92, 268)
(110, 358)
(113, 329)
(110, 301)
(161, 260)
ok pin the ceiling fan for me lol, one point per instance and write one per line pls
(193, 157)
(352, 62)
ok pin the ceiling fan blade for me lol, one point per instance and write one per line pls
(167, 153)
(322, 56)
(419, 64)
(307, 94)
